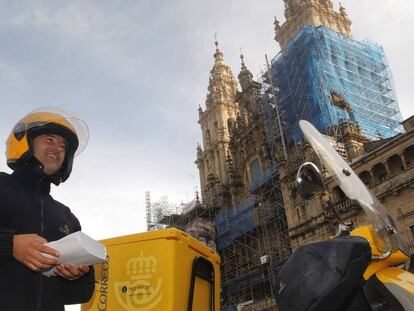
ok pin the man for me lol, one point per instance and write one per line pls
(40, 151)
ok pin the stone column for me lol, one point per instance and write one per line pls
(387, 168)
(373, 179)
(203, 179)
(216, 164)
(206, 165)
(404, 162)
(222, 164)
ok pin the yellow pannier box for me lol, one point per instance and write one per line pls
(164, 270)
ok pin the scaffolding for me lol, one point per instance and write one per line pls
(320, 64)
(158, 211)
(252, 236)
(272, 210)
(252, 239)
(193, 218)
(148, 210)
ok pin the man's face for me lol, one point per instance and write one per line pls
(50, 150)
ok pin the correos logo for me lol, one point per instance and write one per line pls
(103, 286)
(142, 292)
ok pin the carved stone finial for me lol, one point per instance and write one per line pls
(197, 198)
(199, 150)
(243, 65)
(216, 42)
(342, 10)
(245, 76)
(218, 55)
(276, 23)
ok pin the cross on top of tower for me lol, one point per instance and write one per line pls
(218, 55)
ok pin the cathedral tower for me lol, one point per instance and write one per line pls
(221, 111)
(320, 62)
(300, 13)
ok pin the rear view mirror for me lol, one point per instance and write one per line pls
(309, 180)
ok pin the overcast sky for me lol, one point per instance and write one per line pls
(136, 71)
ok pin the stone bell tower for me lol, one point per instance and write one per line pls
(300, 13)
(221, 111)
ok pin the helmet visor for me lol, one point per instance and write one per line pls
(46, 115)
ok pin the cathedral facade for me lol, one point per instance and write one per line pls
(248, 159)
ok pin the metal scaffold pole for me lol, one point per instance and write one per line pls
(148, 210)
(277, 108)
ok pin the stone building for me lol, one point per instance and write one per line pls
(221, 110)
(239, 182)
(300, 13)
(248, 159)
(320, 61)
(385, 166)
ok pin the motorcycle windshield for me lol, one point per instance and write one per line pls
(353, 187)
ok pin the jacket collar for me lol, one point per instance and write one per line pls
(33, 176)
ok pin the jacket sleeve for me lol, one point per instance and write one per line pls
(80, 290)
(6, 235)
(6, 245)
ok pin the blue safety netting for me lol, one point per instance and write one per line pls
(233, 222)
(263, 178)
(319, 61)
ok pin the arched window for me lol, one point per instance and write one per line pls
(409, 156)
(208, 137)
(395, 165)
(229, 125)
(366, 178)
(215, 128)
(380, 173)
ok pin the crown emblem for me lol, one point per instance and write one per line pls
(142, 267)
(142, 292)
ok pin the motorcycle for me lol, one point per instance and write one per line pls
(359, 269)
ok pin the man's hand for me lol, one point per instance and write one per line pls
(27, 249)
(71, 272)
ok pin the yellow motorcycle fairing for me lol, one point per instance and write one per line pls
(396, 258)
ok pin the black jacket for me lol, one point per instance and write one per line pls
(27, 207)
